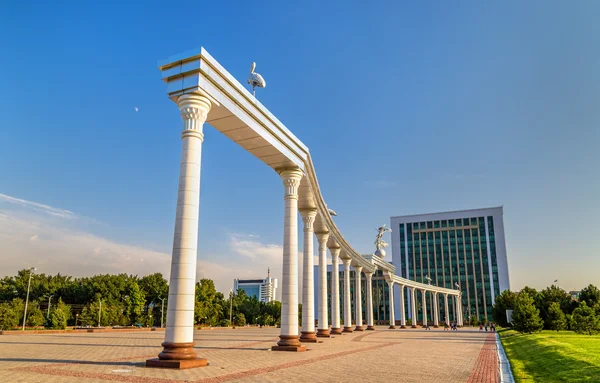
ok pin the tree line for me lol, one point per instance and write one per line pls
(58, 301)
(551, 309)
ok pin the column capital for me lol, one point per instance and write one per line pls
(369, 274)
(346, 261)
(194, 109)
(335, 253)
(291, 181)
(322, 239)
(358, 269)
(308, 217)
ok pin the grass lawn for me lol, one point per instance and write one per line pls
(552, 356)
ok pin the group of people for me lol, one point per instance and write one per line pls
(452, 326)
(485, 325)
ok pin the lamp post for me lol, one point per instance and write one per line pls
(49, 302)
(31, 270)
(76, 318)
(231, 307)
(162, 308)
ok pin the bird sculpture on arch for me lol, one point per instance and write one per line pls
(255, 79)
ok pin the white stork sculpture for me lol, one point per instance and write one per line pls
(255, 79)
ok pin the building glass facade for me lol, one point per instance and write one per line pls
(453, 248)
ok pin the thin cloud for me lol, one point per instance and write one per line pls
(61, 213)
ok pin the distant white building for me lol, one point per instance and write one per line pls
(263, 289)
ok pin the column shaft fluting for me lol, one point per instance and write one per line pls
(391, 304)
(288, 338)
(413, 308)
(347, 302)
(179, 332)
(358, 298)
(446, 312)
(424, 307)
(369, 292)
(335, 291)
(308, 285)
(402, 308)
(436, 310)
(323, 329)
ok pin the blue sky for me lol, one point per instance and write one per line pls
(406, 108)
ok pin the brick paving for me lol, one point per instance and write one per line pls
(243, 355)
(486, 368)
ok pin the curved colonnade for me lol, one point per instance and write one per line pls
(205, 92)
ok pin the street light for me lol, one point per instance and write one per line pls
(49, 302)
(161, 311)
(31, 270)
(231, 307)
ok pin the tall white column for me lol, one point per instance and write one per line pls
(447, 313)
(424, 308)
(323, 329)
(391, 304)
(402, 308)
(358, 298)
(460, 311)
(413, 308)
(335, 291)
(369, 282)
(178, 346)
(436, 310)
(308, 286)
(347, 303)
(288, 338)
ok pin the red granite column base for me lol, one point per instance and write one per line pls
(392, 327)
(371, 328)
(323, 333)
(348, 329)
(336, 331)
(359, 328)
(289, 343)
(308, 337)
(178, 356)
(413, 326)
(403, 326)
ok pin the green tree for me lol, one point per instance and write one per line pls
(209, 303)
(154, 287)
(590, 295)
(135, 303)
(240, 320)
(60, 314)
(526, 317)
(556, 317)
(35, 316)
(9, 317)
(584, 320)
(546, 297)
(504, 301)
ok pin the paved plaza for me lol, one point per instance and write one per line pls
(244, 355)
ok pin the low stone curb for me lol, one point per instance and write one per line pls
(506, 375)
(79, 330)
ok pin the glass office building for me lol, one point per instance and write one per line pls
(462, 247)
(263, 289)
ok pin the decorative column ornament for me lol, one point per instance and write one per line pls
(424, 307)
(347, 303)
(288, 338)
(335, 290)
(323, 329)
(413, 308)
(436, 310)
(308, 285)
(178, 347)
(402, 308)
(369, 282)
(358, 298)
(392, 318)
(446, 312)
(460, 311)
